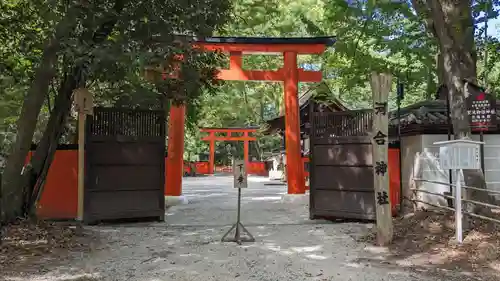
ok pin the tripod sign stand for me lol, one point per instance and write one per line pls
(240, 181)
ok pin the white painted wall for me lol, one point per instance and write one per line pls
(419, 161)
(492, 161)
(430, 170)
(410, 146)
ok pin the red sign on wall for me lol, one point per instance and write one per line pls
(481, 108)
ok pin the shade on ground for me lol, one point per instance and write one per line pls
(187, 246)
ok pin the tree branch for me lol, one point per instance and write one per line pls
(423, 10)
(75, 78)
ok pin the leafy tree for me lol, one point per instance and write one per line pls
(452, 24)
(489, 63)
(382, 35)
(105, 46)
(389, 36)
(95, 44)
(239, 104)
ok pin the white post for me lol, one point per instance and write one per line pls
(458, 155)
(458, 206)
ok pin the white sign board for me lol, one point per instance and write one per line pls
(459, 154)
(240, 174)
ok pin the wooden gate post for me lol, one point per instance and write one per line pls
(381, 86)
(84, 106)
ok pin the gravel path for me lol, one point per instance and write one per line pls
(187, 247)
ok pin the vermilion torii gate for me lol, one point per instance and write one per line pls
(228, 135)
(290, 74)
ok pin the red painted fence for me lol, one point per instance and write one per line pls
(59, 199)
(60, 195)
(254, 168)
(258, 169)
(394, 182)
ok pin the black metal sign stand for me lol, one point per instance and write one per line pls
(481, 150)
(238, 227)
(399, 98)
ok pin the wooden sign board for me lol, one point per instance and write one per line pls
(240, 174)
(381, 86)
(84, 101)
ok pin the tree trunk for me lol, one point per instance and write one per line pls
(26, 125)
(451, 22)
(12, 181)
(47, 147)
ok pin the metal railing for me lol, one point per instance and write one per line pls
(492, 206)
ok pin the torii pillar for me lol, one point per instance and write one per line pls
(290, 75)
(175, 146)
(175, 150)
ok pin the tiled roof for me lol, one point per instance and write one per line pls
(430, 112)
(305, 96)
(425, 112)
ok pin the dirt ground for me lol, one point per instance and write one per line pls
(426, 240)
(187, 246)
(29, 246)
